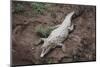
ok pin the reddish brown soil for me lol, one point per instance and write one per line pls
(79, 46)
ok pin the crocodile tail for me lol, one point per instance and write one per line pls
(70, 15)
(68, 18)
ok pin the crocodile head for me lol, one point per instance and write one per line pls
(46, 47)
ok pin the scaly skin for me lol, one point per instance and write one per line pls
(58, 35)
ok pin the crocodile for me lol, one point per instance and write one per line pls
(58, 35)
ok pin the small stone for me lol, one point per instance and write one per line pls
(32, 48)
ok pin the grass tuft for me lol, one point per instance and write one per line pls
(43, 31)
(38, 8)
(19, 8)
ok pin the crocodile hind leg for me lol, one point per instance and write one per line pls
(71, 27)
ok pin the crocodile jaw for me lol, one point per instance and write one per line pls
(45, 50)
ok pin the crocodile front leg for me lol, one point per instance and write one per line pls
(40, 40)
(55, 26)
(62, 46)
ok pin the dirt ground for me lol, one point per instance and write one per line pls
(79, 46)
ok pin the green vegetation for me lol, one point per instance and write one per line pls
(51, 60)
(43, 31)
(18, 8)
(38, 8)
